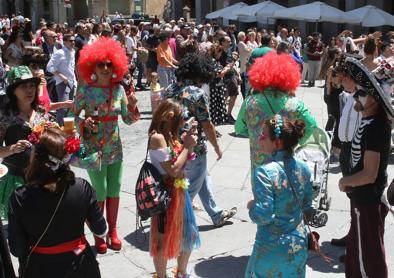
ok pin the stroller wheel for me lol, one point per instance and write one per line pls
(325, 203)
(320, 219)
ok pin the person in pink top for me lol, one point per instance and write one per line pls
(172, 41)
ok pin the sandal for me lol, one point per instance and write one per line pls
(226, 215)
(196, 206)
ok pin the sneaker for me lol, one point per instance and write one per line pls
(230, 119)
(339, 241)
(226, 215)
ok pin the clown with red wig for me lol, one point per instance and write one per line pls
(102, 66)
(274, 80)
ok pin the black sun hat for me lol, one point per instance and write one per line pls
(376, 83)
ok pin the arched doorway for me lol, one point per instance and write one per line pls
(80, 10)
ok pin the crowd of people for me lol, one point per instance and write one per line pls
(84, 76)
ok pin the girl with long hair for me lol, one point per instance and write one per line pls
(174, 233)
(52, 199)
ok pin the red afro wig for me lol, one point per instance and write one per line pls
(279, 72)
(101, 50)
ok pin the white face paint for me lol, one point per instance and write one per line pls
(363, 100)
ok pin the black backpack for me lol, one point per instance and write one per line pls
(151, 194)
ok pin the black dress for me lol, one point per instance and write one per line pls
(217, 98)
(31, 208)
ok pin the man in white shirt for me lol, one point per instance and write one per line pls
(282, 35)
(62, 65)
(295, 41)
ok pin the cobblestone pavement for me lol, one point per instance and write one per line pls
(224, 251)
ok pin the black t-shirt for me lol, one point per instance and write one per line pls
(152, 42)
(373, 134)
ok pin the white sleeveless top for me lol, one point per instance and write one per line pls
(158, 156)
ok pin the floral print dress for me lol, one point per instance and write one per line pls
(255, 110)
(109, 102)
(280, 248)
(12, 129)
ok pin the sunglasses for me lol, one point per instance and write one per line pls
(360, 93)
(102, 65)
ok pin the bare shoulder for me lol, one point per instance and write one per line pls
(157, 141)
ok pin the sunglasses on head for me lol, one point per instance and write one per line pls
(101, 65)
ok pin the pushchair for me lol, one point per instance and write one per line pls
(316, 153)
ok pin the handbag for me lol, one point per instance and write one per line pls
(151, 194)
(313, 237)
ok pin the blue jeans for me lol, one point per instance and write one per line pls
(64, 93)
(166, 76)
(200, 183)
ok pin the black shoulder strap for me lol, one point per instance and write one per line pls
(269, 103)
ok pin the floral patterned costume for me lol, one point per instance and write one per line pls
(280, 248)
(12, 129)
(104, 149)
(110, 102)
(255, 110)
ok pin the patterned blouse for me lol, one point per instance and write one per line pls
(280, 248)
(255, 110)
(110, 103)
(12, 129)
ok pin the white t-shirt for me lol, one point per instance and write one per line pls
(349, 121)
(158, 156)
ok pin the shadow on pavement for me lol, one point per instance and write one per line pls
(233, 134)
(318, 264)
(229, 267)
(206, 228)
(139, 238)
(146, 113)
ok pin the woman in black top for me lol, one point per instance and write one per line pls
(54, 248)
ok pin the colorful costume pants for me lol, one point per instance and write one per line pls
(107, 181)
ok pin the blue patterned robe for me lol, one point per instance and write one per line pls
(280, 248)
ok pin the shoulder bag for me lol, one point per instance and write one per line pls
(313, 237)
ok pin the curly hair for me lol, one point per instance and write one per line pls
(275, 71)
(196, 68)
(101, 50)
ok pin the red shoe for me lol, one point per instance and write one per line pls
(99, 243)
(113, 241)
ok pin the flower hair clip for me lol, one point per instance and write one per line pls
(72, 146)
(277, 123)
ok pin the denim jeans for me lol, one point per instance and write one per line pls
(64, 93)
(200, 183)
(166, 76)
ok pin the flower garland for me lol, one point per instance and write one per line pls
(175, 150)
